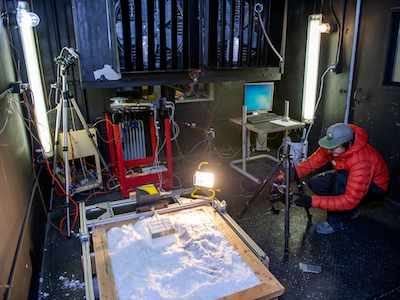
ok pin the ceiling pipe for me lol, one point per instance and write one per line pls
(284, 33)
(353, 60)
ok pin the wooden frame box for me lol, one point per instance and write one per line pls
(269, 287)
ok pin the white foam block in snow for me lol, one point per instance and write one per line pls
(201, 264)
(162, 232)
(163, 241)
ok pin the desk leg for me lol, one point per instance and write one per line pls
(244, 148)
(246, 157)
(245, 151)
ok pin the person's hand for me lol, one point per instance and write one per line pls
(303, 201)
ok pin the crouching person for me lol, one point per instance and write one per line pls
(360, 175)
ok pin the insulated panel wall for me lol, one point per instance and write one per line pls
(95, 36)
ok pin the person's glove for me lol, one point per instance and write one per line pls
(303, 201)
(279, 178)
(293, 175)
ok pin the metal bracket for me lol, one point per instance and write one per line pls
(219, 206)
(109, 213)
(84, 238)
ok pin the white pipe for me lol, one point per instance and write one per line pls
(121, 134)
(142, 138)
(134, 142)
(353, 61)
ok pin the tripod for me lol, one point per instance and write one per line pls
(267, 183)
(63, 64)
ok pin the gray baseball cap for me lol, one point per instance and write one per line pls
(336, 135)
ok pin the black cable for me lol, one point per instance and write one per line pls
(21, 234)
(340, 41)
(339, 31)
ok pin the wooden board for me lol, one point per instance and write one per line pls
(105, 277)
(269, 287)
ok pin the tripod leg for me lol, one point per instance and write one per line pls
(287, 200)
(309, 216)
(57, 129)
(302, 190)
(82, 119)
(267, 182)
(66, 161)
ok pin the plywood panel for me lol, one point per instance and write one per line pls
(105, 275)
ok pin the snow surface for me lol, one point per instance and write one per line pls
(201, 264)
(71, 284)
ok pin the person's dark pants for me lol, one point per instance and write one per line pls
(333, 183)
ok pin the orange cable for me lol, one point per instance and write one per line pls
(99, 192)
(24, 95)
(90, 165)
(48, 167)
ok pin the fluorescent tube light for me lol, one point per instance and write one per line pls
(25, 20)
(311, 67)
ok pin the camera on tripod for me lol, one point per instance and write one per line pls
(69, 59)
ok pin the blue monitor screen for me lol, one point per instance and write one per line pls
(259, 96)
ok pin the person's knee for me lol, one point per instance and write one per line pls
(341, 176)
(320, 183)
(313, 184)
(339, 182)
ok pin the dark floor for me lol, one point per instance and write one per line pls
(361, 262)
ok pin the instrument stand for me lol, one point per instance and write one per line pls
(62, 110)
(286, 161)
(267, 183)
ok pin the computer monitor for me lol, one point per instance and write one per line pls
(258, 97)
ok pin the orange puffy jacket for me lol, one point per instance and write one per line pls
(362, 161)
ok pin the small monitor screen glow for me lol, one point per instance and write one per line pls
(258, 96)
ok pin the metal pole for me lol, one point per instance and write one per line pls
(353, 61)
(85, 244)
(65, 146)
(284, 32)
(244, 138)
(56, 141)
(286, 158)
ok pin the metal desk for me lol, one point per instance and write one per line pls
(262, 128)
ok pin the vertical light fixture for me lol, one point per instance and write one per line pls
(311, 67)
(26, 20)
